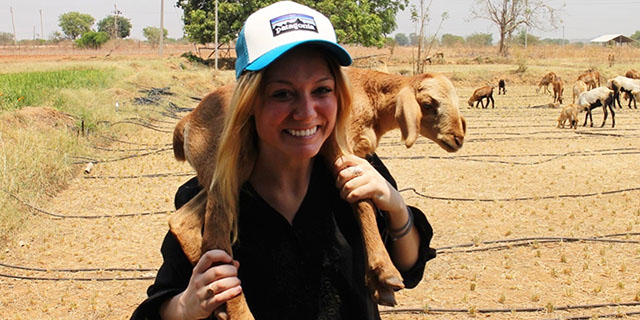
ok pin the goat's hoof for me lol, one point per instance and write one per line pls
(385, 297)
(383, 290)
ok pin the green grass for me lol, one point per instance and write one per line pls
(36, 88)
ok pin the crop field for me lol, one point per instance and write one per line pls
(530, 221)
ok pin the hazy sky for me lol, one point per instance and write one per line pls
(582, 19)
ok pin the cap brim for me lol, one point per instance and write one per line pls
(266, 59)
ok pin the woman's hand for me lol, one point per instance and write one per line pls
(358, 180)
(213, 282)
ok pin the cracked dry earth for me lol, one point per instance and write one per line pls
(517, 177)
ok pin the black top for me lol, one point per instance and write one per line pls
(310, 269)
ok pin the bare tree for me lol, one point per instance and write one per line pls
(509, 14)
(421, 17)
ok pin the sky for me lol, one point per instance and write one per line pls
(582, 19)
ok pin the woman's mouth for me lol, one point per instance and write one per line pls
(302, 133)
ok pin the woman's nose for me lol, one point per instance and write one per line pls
(304, 108)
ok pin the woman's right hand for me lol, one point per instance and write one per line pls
(213, 282)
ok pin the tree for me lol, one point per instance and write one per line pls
(401, 39)
(92, 39)
(108, 25)
(6, 38)
(152, 34)
(636, 35)
(74, 23)
(363, 22)
(523, 36)
(450, 40)
(508, 15)
(479, 39)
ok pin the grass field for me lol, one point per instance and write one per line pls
(530, 221)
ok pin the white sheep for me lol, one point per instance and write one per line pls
(626, 85)
(594, 98)
(578, 88)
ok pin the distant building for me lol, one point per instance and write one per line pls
(612, 39)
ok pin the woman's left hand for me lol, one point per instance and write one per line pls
(358, 180)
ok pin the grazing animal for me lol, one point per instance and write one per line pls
(626, 85)
(558, 89)
(611, 58)
(570, 113)
(480, 94)
(545, 81)
(633, 74)
(598, 97)
(425, 104)
(578, 87)
(502, 87)
(591, 78)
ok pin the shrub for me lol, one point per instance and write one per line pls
(92, 39)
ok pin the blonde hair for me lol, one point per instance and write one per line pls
(238, 148)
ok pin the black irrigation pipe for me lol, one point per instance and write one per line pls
(128, 150)
(76, 279)
(527, 242)
(78, 270)
(87, 159)
(517, 310)
(593, 194)
(62, 216)
(552, 157)
(128, 142)
(144, 125)
(152, 175)
(425, 141)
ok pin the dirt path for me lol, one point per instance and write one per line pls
(516, 177)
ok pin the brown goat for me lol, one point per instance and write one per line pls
(633, 74)
(425, 104)
(480, 94)
(545, 81)
(569, 112)
(558, 89)
(591, 78)
(578, 87)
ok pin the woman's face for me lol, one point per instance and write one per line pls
(298, 106)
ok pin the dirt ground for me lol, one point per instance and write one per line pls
(517, 178)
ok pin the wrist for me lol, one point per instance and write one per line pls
(403, 230)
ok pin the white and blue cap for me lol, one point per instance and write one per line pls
(273, 30)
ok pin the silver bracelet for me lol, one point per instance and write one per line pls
(397, 234)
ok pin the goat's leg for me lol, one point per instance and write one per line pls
(493, 106)
(613, 117)
(217, 235)
(604, 109)
(382, 278)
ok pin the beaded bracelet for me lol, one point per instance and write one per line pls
(397, 234)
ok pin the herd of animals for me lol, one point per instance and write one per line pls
(587, 95)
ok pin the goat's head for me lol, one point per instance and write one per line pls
(429, 106)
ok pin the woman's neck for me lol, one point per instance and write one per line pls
(282, 184)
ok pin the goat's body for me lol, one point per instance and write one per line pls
(480, 94)
(381, 102)
(545, 81)
(569, 113)
(502, 87)
(626, 85)
(591, 78)
(598, 97)
(578, 88)
(558, 89)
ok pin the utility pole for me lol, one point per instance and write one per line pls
(161, 44)
(34, 32)
(115, 21)
(41, 26)
(217, 46)
(15, 38)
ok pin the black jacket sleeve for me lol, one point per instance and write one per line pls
(412, 276)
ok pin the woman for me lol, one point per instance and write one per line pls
(299, 251)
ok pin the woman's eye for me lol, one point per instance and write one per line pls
(324, 90)
(281, 94)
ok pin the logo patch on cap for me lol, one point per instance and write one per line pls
(292, 22)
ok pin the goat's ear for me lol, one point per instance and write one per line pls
(407, 110)
(178, 140)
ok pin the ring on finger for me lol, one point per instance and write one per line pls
(210, 292)
(356, 171)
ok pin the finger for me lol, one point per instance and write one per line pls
(218, 272)
(211, 257)
(221, 285)
(222, 297)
